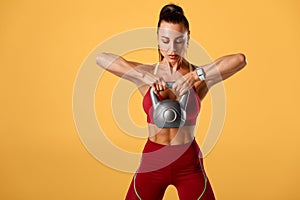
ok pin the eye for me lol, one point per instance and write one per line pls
(179, 40)
(165, 41)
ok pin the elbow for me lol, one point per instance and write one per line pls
(100, 59)
(240, 60)
(104, 60)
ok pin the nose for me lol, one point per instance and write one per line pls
(173, 48)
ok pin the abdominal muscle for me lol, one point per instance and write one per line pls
(171, 136)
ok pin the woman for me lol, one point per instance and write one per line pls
(171, 155)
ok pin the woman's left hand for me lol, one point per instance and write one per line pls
(183, 84)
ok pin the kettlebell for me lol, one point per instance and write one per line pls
(169, 113)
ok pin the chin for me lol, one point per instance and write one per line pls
(173, 61)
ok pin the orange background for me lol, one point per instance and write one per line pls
(43, 45)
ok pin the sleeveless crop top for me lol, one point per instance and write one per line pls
(192, 108)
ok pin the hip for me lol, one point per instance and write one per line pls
(158, 156)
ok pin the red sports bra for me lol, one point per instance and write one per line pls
(192, 108)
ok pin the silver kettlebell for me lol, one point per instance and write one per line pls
(169, 113)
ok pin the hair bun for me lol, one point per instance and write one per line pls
(171, 8)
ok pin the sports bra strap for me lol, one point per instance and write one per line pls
(156, 68)
(191, 68)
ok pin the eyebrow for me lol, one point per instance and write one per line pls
(181, 36)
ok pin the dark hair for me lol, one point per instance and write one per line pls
(173, 14)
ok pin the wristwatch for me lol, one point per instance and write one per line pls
(201, 74)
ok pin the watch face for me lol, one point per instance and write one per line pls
(200, 71)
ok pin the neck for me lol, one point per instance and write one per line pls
(175, 66)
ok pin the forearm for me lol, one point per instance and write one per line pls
(119, 66)
(222, 68)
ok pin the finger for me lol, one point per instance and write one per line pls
(155, 85)
(160, 84)
(186, 86)
(164, 85)
(176, 92)
(182, 92)
(154, 89)
(189, 82)
(175, 86)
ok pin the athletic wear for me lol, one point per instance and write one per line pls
(185, 172)
(178, 165)
(192, 108)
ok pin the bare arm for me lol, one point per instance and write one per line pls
(220, 69)
(119, 66)
(223, 67)
(137, 73)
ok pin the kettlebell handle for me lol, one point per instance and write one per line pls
(182, 101)
(170, 84)
(154, 98)
(183, 98)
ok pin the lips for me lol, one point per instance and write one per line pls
(172, 56)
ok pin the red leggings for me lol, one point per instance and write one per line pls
(164, 165)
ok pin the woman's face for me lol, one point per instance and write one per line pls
(172, 41)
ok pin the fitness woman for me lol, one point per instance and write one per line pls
(171, 155)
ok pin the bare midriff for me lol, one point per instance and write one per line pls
(171, 136)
